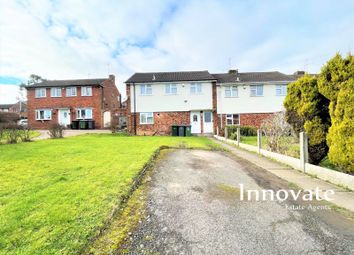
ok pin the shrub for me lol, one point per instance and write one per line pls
(25, 134)
(336, 82)
(248, 131)
(275, 128)
(307, 111)
(56, 131)
(9, 117)
(11, 133)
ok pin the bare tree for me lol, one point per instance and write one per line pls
(275, 129)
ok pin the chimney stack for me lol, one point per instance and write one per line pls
(299, 73)
(112, 77)
(233, 71)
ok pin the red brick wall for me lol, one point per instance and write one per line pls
(110, 94)
(162, 123)
(72, 103)
(253, 119)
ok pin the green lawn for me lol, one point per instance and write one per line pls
(56, 194)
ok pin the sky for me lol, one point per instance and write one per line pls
(67, 39)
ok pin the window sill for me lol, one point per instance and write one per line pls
(146, 123)
(56, 96)
(86, 96)
(257, 96)
(71, 96)
(232, 97)
(144, 95)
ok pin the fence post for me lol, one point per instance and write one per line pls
(217, 130)
(226, 135)
(259, 140)
(304, 152)
(238, 136)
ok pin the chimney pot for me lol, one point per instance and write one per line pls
(112, 77)
(233, 71)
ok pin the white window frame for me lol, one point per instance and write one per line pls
(53, 92)
(171, 89)
(145, 116)
(231, 117)
(86, 91)
(47, 114)
(255, 90)
(145, 90)
(231, 91)
(281, 90)
(71, 89)
(196, 88)
(79, 115)
(39, 92)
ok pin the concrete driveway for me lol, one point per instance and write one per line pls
(194, 207)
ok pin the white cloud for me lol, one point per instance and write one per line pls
(10, 94)
(80, 39)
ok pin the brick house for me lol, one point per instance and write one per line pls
(207, 102)
(63, 101)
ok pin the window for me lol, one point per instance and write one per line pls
(43, 114)
(40, 92)
(86, 91)
(146, 118)
(84, 113)
(71, 91)
(145, 90)
(171, 89)
(231, 91)
(256, 90)
(196, 88)
(55, 92)
(232, 119)
(280, 90)
(207, 117)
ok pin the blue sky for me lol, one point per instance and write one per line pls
(92, 38)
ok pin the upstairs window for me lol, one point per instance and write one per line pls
(146, 118)
(256, 90)
(281, 90)
(40, 92)
(231, 91)
(196, 88)
(71, 92)
(55, 92)
(84, 113)
(44, 114)
(171, 89)
(232, 119)
(86, 91)
(145, 90)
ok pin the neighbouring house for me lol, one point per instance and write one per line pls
(5, 107)
(248, 98)
(207, 102)
(20, 108)
(64, 101)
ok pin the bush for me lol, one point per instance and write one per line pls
(56, 131)
(9, 117)
(25, 134)
(244, 131)
(336, 82)
(11, 133)
(248, 131)
(307, 111)
(275, 128)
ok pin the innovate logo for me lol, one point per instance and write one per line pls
(283, 194)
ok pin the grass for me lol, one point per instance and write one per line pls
(55, 195)
(34, 134)
(293, 148)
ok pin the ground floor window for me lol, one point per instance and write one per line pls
(43, 114)
(84, 113)
(146, 118)
(232, 119)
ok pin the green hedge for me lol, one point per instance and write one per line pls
(244, 131)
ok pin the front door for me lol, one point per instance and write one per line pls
(64, 117)
(195, 122)
(208, 122)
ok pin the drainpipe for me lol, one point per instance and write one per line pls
(134, 92)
